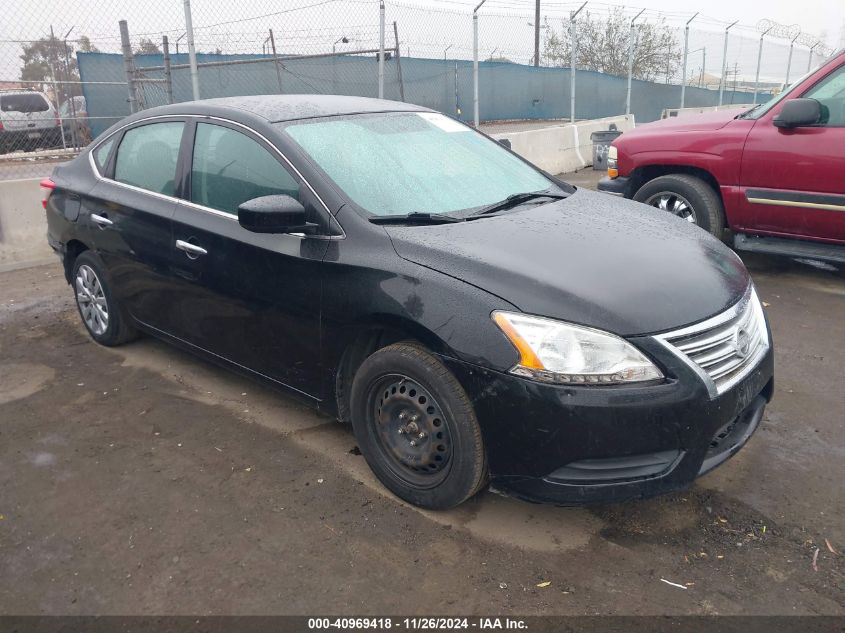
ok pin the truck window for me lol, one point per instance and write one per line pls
(830, 92)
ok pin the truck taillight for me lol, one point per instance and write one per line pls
(47, 185)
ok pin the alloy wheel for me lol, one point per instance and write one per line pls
(91, 300)
(674, 204)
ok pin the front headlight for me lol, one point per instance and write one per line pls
(554, 351)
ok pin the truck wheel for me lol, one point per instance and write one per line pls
(417, 428)
(688, 197)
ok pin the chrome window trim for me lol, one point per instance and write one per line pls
(202, 117)
(713, 322)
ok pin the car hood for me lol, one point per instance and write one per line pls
(591, 259)
(691, 122)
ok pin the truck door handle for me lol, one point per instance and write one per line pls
(102, 220)
(193, 251)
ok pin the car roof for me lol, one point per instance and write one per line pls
(276, 108)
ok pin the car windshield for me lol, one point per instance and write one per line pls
(759, 110)
(397, 163)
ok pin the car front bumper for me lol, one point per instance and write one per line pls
(574, 445)
(615, 186)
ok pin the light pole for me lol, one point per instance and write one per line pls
(341, 40)
(686, 52)
(722, 81)
(631, 39)
(572, 47)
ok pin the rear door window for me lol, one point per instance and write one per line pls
(147, 157)
(101, 155)
(230, 168)
(23, 102)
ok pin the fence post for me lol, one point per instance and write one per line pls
(572, 47)
(475, 63)
(810, 60)
(381, 49)
(398, 62)
(128, 65)
(759, 60)
(192, 53)
(631, 63)
(276, 60)
(686, 55)
(789, 60)
(168, 75)
(723, 78)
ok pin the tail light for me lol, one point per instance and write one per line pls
(47, 185)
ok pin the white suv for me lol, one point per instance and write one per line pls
(27, 120)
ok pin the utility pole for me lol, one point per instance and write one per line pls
(381, 50)
(686, 53)
(537, 33)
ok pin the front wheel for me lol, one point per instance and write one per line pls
(417, 428)
(688, 197)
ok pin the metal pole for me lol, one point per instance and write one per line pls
(475, 63)
(55, 58)
(723, 79)
(537, 33)
(71, 105)
(631, 63)
(381, 50)
(703, 65)
(572, 49)
(457, 106)
(192, 53)
(789, 59)
(398, 62)
(759, 60)
(168, 75)
(686, 53)
(128, 65)
(810, 60)
(276, 60)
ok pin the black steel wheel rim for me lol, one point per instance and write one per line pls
(411, 430)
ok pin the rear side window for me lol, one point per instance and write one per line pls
(24, 102)
(230, 168)
(101, 155)
(147, 157)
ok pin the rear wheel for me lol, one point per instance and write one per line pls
(417, 428)
(101, 313)
(688, 197)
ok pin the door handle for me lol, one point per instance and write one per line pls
(102, 220)
(192, 250)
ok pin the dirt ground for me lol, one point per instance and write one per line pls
(140, 480)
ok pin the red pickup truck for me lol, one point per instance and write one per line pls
(774, 175)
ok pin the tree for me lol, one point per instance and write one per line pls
(50, 59)
(85, 45)
(147, 47)
(603, 46)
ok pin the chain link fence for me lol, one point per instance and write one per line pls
(70, 69)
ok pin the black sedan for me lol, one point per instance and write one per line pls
(474, 318)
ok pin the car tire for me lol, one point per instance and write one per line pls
(417, 428)
(100, 311)
(688, 197)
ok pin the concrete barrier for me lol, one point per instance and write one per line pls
(562, 148)
(23, 225)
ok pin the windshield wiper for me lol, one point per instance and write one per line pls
(517, 199)
(745, 113)
(415, 218)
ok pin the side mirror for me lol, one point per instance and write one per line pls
(506, 142)
(274, 214)
(797, 113)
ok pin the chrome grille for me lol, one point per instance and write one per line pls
(724, 349)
